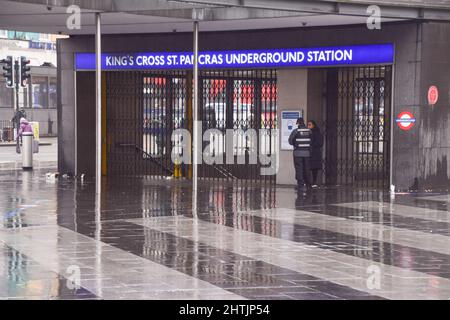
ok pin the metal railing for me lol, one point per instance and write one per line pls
(6, 131)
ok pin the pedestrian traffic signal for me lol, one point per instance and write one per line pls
(24, 71)
(8, 71)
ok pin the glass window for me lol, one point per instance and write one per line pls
(5, 95)
(39, 89)
(52, 93)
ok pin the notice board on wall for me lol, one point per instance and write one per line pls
(288, 123)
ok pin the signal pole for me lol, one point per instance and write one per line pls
(17, 83)
(16, 73)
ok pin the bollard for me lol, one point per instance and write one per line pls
(27, 151)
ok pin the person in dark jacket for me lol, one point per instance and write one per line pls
(315, 161)
(300, 138)
(16, 125)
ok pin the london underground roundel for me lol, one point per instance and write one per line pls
(405, 120)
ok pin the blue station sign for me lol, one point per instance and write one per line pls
(300, 57)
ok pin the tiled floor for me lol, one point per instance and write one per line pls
(142, 240)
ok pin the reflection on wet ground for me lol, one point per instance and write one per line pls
(23, 278)
(142, 240)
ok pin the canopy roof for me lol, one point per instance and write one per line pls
(156, 16)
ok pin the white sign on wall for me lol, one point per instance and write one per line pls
(288, 123)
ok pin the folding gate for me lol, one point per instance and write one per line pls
(357, 126)
(144, 109)
(238, 106)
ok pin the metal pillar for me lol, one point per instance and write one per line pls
(195, 128)
(16, 87)
(98, 142)
(17, 78)
(98, 104)
(391, 135)
(196, 146)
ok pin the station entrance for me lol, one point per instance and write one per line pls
(358, 126)
(144, 109)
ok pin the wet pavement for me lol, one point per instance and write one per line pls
(143, 240)
(46, 158)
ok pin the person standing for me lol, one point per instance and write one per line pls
(300, 138)
(24, 126)
(20, 114)
(315, 162)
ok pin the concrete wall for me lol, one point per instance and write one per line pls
(67, 105)
(421, 154)
(407, 82)
(433, 129)
(292, 95)
(86, 115)
(317, 104)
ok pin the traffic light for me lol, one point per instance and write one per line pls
(8, 71)
(24, 71)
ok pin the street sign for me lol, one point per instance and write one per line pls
(433, 95)
(405, 120)
(264, 58)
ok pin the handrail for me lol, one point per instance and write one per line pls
(224, 171)
(148, 156)
(220, 169)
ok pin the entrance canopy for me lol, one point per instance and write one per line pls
(156, 16)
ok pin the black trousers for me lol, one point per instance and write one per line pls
(301, 165)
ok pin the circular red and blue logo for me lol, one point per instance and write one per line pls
(405, 120)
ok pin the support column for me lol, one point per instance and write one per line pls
(195, 111)
(98, 142)
(195, 149)
(98, 104)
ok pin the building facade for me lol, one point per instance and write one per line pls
(39, 97)
(360, 107)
